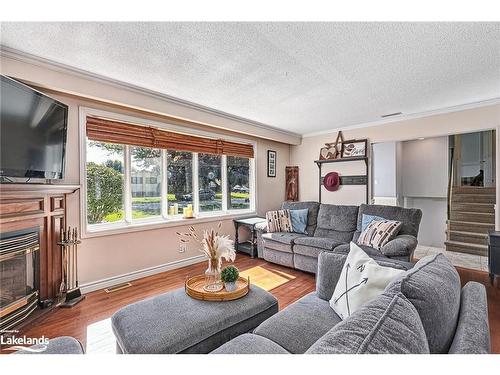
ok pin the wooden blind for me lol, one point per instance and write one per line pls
(104, 130)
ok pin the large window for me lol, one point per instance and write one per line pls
(145, 177)
(105, 182)
(238, 182)
(180, 181)
(210, 182)
(131, 184)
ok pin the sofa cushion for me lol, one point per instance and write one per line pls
(410, 217)
(378, 233)
(308, 251)
(367, 219)
(283, 237)
(279, 221)
(337, 222)
(312, 214)
(389, 324)
(277, 256)
(299, 220)
(299, 325)
(249, 343)
(362, 279)
(319, 242)
(433, 287)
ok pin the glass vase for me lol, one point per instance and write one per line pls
(212, 275)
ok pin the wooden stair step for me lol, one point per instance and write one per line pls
(467, 226)
(468, 237)
(468, 248)
(473, 190)
(473, 207)
(474, 198)
(475, 217)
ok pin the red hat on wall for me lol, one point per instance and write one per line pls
(331, 181)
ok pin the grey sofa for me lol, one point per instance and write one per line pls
(331, 228)
(423, 311)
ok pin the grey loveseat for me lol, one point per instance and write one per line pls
(423, 311)
(331, 228)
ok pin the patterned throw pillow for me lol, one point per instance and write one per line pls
(379, 232)
(361, 279)
(278, 221)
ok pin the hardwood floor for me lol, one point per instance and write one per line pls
(89, 321)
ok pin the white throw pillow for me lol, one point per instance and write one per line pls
(361, 280)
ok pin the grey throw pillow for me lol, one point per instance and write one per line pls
(388, 324)
(433, 287)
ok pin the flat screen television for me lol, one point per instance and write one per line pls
(32, 132)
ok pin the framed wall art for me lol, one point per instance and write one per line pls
(292, 183)
(354, 148)
(271, 163)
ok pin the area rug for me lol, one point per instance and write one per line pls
(266, 279)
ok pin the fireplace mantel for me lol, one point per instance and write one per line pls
(12, 188)
(24, 206)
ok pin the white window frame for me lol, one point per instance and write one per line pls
(164, 220)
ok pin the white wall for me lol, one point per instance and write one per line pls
(425, 185)
(432, 230)
(384, 179)
(425, 168)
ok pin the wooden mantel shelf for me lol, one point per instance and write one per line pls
(12, 188)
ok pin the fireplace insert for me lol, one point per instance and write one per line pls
(19, 276)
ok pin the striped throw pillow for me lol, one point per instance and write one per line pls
(278, 221)
(379, 232)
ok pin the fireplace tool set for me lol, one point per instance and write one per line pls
(69, 252)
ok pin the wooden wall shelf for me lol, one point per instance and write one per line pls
(342, 160)
(347, 180)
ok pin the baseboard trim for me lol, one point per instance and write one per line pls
(124, 278)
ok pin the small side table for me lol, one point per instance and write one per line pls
(249, 247)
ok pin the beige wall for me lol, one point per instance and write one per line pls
(110, 256)
(303, 155)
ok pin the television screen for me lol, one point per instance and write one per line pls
(32, 132)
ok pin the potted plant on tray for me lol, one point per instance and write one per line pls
(229, 276)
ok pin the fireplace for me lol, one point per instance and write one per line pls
(19, 276)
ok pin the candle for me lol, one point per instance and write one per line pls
(176, 208)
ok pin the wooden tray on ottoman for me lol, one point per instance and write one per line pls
(194, 288)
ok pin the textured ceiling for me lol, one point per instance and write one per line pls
(302, 77)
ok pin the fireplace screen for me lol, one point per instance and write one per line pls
(19, 279)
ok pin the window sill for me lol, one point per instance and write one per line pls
(110, 229)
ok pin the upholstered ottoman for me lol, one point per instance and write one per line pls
(58, 345)
(176, 323)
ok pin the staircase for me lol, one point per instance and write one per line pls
(472, 215)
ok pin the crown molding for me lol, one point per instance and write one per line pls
(406, 117)
(24, 57)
